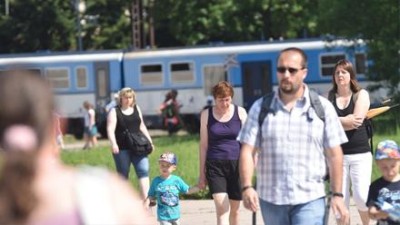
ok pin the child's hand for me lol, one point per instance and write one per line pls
(202, 183)
(376, 214)
(152, 203)
(193, 189)
(149, 202)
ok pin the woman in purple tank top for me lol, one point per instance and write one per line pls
(219, 153)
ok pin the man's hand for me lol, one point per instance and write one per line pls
(250, 199)
(340, 211)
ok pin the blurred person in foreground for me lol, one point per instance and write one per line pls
(295, 147)
(351, 103)
(35, 186)
(219, 153)
(384, 193)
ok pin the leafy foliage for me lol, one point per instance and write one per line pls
(378, 22)
(37, 26)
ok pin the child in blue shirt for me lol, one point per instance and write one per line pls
(384, 193)
(166, 189)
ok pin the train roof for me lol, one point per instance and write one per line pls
(269, 46)
(54, 57)
(220, 48)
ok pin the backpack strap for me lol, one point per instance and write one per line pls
(316, 104)
(331, 96)
(265, 108)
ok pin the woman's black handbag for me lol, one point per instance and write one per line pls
(137, 141)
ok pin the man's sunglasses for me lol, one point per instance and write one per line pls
(290, 69)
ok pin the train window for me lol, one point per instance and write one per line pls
(361, 62)
(182, 73)
(32, 71)
(59, 78)
(101, 83)
(151, 75)
(212, 74)
(328, 63)
(81, 77)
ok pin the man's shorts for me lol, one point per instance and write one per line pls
(223, 177)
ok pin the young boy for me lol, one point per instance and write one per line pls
(166, 189)
(384, 193)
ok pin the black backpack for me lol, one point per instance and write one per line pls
(267, 100)
(368, 122)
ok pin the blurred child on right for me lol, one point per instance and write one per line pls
(384, 193)
(166, 189)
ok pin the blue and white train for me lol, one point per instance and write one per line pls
(251, 67)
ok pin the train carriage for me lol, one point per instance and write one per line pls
(250, 67)
(75, 77)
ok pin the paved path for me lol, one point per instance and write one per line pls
(202, 212)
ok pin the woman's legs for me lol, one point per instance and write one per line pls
(141, 164)
(86, 138)
(234, 212)
(360, 173)
(223, 181)
(122, 162)
(221, 202)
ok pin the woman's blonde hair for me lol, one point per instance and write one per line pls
(127, 91)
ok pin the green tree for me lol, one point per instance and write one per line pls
(192, 22)
(377, 22)
(107, 24)
(37, 26)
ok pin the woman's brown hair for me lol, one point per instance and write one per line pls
(222, 89)
(348, 66)
(26, 101)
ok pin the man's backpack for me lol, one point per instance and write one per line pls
(368, 122)
(267, 100)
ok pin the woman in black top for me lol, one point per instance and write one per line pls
(128, 115)
(352, 103)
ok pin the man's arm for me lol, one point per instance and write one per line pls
(246, 170)
(334, 158)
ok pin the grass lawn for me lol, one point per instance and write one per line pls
(186, 149)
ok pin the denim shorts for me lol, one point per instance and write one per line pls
(310, 213)
(91, 132)
(125, 158)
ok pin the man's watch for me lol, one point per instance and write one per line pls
(337, 194)
(246, 187)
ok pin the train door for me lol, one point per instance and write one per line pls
(102, 78)
(257, 81)
(102, 94)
